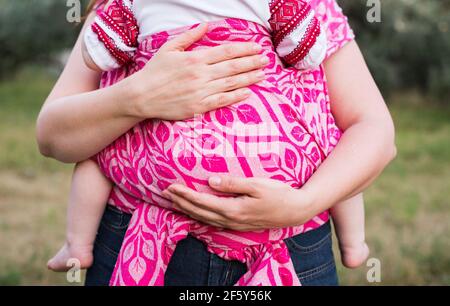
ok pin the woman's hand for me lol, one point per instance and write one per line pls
(78, 119)
(364, 150)
(177, 85)
(258, 204)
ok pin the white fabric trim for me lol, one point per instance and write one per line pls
(98, 52)
(159, 15)
(116, 37)
(154, 16)
(128, 4)
(316, 55)
(290, 42)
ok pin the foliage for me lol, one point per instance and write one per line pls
(409, 48)
(31, 31)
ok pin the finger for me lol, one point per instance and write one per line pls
(209, 202)
(238, 66)
(236, 81)
(229, 51)
(219, 100)
(194, 211)
(235, 185)
(184, 207)
(185, 40)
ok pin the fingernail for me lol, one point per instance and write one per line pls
(260, 74)
(264, 60)
(257, 48)
(246, 92)
(167, 194)
(201, 25)
(215, 180)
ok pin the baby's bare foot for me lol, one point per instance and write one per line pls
(61, 261)
(354, 256)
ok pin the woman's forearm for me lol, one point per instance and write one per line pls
(368, 141)
(78, 119)
(364, 150)
(73, 128)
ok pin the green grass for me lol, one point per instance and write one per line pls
(407, 209)
(32, 189)
(20, 102)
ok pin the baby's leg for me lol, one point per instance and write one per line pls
(348, 218)
(87, 201)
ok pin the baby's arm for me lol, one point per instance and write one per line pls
(348, 220)
(301, 42)
(110, 42)
(89, 194)
(298, 36)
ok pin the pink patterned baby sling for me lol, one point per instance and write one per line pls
(283, 132)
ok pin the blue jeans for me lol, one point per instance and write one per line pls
(193, 265)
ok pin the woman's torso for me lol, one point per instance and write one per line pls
(283, 131)
(141, 163)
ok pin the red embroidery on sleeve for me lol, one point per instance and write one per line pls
(305, 45)
(110, 44)
(286, 16)
(118, 19)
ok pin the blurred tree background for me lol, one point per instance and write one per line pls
(32, 31)
(408, 49)
(407, 208)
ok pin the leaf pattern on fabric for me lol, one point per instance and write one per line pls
(142, 163)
